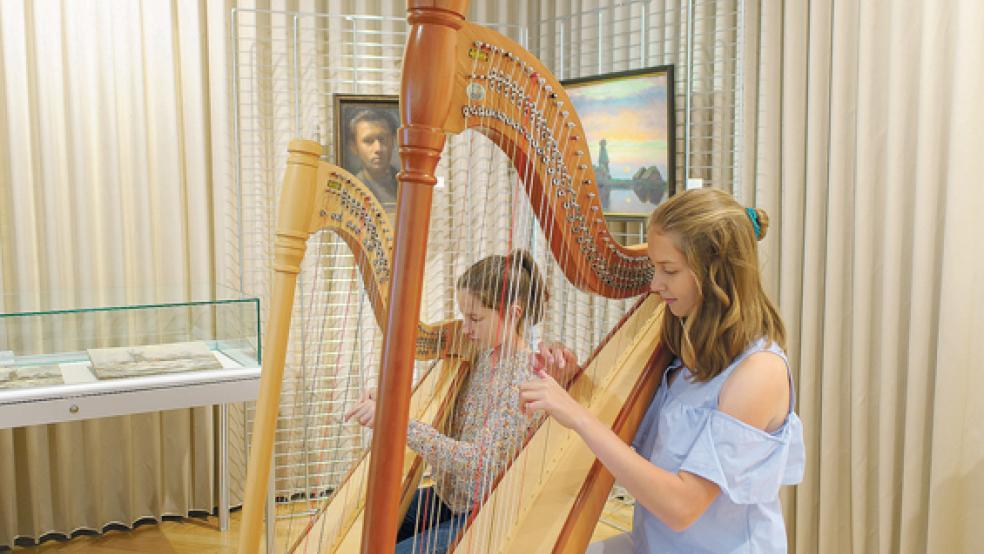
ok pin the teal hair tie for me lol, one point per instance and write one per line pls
(754, 216)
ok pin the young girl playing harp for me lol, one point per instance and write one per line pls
(720, 436)
(499, 296)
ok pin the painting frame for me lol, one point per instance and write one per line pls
(653, 100)
(353, 158)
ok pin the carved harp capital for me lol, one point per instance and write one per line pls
(450, 13)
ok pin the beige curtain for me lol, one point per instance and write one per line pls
(869, 155)
(113, 132)
(861, 134)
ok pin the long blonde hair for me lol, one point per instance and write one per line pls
(718, 238)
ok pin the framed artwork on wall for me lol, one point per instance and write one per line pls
(365, 141)
(628, 120)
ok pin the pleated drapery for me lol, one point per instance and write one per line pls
(113, 132)
(870, 130)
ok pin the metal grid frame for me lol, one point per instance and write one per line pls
(285, 72)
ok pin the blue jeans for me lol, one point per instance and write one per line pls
(433, 530)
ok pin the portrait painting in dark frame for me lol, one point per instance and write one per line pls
(366, 143)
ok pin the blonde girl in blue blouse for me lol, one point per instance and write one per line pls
(720, 436)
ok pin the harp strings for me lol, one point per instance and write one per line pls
(533, 104)
(548, 209)
(332, 375)
(339, 310)
(312, 329)
(340, 368)
(511, 496)
(476, 240)
(525, 112)
(363, 328)
(481, 487)
(475, 244)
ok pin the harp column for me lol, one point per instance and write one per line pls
(294, 217)
(425, 100)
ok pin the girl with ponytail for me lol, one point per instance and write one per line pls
(499, 298)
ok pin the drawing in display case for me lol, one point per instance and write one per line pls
(131, 358)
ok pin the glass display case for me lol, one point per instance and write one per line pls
(64, 365)
(72, 364)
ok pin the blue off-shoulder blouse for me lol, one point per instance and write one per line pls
(684, 431)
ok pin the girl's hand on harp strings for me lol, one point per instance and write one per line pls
(555, 359)
(546, 394)
(364, 412)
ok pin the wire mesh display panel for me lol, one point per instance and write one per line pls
(288, 67)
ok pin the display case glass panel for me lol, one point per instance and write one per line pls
(155, 349)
